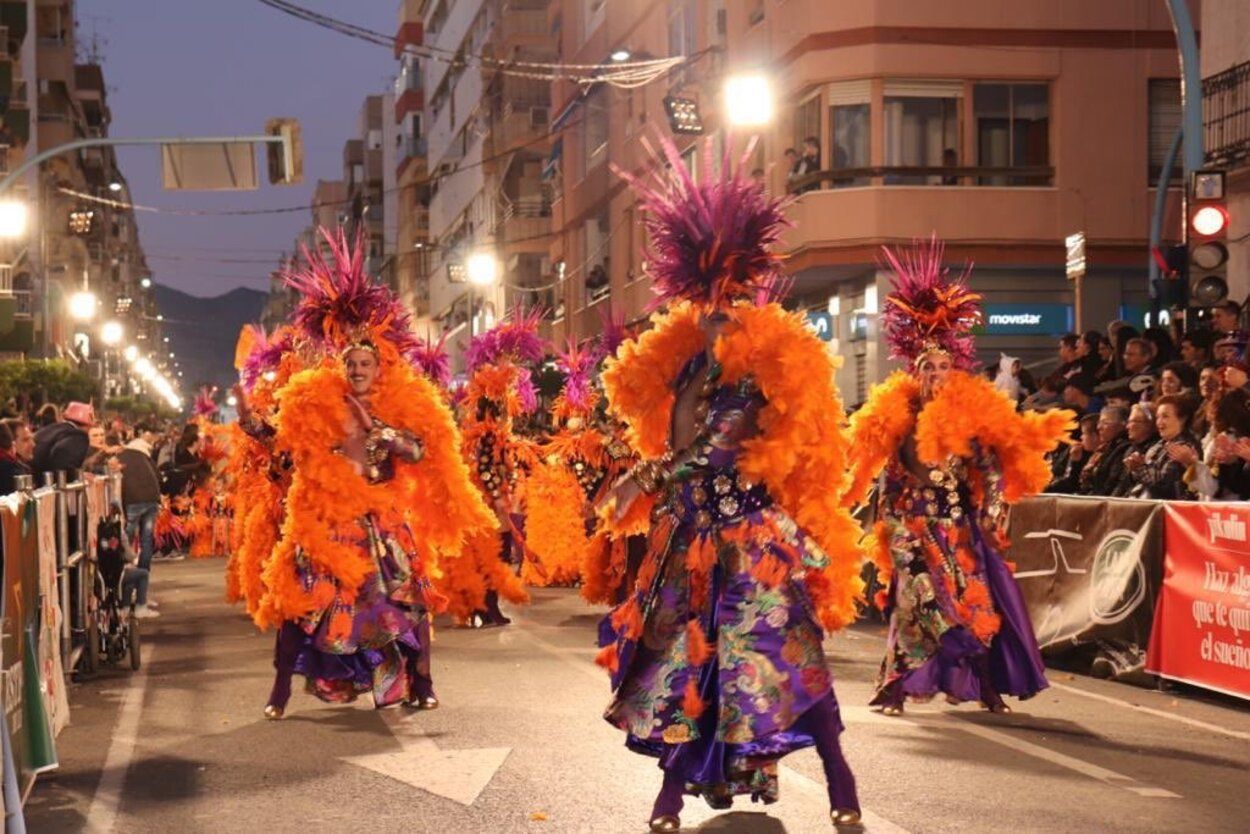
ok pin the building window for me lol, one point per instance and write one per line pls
(1013, 131)
(849, 127)
(1164, 104)
(807, 124)
(921, 130)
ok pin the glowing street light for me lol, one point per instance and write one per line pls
(131, 353)
(13, 219)
(232, 400)
(111, 333)
(115, 186)
(748, 101)
(82, 305)
(146, 283)
(482, 269)
(620, 56)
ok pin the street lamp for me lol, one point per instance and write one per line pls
(483, 271)
(748, 101)
(115, 186)
(111, 333)
(82, 305)
(146, 283)
(13, 217)
(620, 56)
(131, 353)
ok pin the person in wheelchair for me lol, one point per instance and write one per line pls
(119, 565)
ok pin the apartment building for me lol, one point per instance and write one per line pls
(330, 208)
(412, 196)
(1001, 126)
(487, 141)
(75, 241)
(1225, 57)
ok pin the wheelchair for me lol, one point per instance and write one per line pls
(114, 629)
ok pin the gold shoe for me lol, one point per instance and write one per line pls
(422, 703)
(845, 819)
(1000, 709)
(273, 713)
(666, 822)
(892, 710)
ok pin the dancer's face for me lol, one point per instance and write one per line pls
(933, 370)
(362, 369)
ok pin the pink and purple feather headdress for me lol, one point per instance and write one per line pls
(930, 310)
(340, 304)
(431, 359)
(577, 363)
(710, 241)
(205, 405)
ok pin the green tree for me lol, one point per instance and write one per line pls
(44, 380)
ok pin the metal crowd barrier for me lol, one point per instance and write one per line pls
(75, 567)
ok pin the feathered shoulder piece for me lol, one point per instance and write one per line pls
(709, 241)
(969, 410)
(639, 379)
(327, 495)
(340, 304)
(800, 452)
(878, 429)
(929, 310)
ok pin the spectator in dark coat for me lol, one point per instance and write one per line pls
(141, 490)
(63, 446)
(1142, 434)
(1157, 472)
(10, 464)
(1105, 466)
(186, 469)
(1068, 478)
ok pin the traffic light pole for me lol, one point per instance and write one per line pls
(109, 141)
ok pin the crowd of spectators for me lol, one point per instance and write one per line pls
(1162, 415)
(154, 459)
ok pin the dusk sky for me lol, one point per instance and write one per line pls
(187, 67)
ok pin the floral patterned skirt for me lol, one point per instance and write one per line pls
(722, 723)
(957, 619)
(372, 643)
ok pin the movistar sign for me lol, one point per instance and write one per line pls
(1041, 319)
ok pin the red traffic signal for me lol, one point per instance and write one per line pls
(1208, 220)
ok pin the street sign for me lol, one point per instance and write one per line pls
(227, 166)
(1076, 255)
(822, 324)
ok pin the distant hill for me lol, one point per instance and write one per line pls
(202, 333)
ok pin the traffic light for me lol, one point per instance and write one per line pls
(1208, 233)
(286, 159)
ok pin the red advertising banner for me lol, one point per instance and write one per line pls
(1201, 632)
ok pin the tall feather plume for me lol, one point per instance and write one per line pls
(431, 359)
(265, 356)
(340, 303)
(710, 241)
(929, 309)
(515, 338)
(205, 404)
(612, 334)
(577, 363)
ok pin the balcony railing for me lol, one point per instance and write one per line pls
(1226, 115)
(953, 175)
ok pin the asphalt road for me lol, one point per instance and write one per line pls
(519, 745)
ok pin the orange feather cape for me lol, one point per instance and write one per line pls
(555, 527)
(434, 497)
(965, 409)
(800, 452)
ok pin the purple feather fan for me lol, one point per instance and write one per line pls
(929, 309)
(711, 241)
(266, 355)
(204, 403)
(526, 393)
(613, 333)
(515, 338)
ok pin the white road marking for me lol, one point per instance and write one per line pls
(1158, 713)
(106, 802)
(1093, 771)
(458, 775)
(872, 823)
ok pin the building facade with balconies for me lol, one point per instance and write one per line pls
(1225, 56)
(412, 198)
(487, 140)
(596, 249)
(999, 127)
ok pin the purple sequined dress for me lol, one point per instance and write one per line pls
(958, 624)
(767, 670)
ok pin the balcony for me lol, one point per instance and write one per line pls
(1226, 116)
(926, 175)
(859, 219)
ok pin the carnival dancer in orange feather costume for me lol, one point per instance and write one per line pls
(955, 453)
(715, 655)
(377, 488)
(500, 389)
